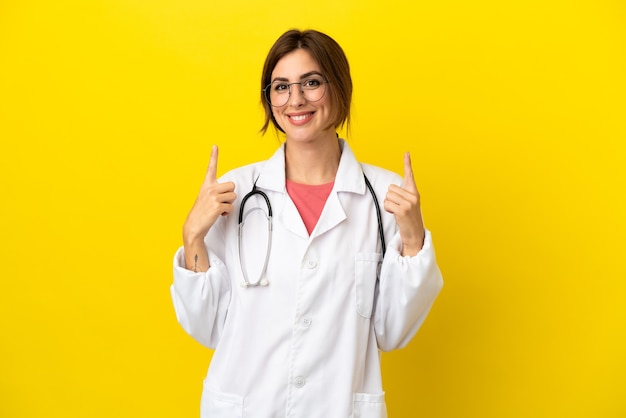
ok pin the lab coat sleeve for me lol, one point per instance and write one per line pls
(407, 289)
(201, 299)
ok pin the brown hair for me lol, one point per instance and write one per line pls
(333, 64)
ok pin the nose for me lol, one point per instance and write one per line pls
(296, 95)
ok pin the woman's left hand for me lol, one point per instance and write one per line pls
(404, 204)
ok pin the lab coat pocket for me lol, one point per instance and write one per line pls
(365, 269)
(368, 405)
(220, 405)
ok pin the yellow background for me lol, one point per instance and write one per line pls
(515, 116)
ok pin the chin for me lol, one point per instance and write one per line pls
(309, 134)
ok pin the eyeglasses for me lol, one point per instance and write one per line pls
(278, 92)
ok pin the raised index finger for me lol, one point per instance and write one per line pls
(409, 180)
(211, 173)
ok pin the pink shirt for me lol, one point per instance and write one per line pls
(309, 200)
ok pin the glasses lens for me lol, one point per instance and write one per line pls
(277, 93)
(313, 89)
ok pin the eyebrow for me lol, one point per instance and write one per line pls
(302, 77)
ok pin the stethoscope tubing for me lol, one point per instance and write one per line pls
(262, 280)
(379, 218)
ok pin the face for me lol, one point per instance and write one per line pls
(302, 120)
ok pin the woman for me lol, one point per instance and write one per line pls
(298, 306)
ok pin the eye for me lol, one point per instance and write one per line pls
(280, 87)
(311, 83)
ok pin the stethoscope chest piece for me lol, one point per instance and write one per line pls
(262, 283)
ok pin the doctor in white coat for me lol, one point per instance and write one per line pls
(298, 312)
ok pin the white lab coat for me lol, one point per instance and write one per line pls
(308, 344)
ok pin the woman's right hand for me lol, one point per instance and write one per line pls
(214, 199)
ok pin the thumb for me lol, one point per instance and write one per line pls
(409, 180)
(211, 173)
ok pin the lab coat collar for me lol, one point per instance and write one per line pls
(349, 176)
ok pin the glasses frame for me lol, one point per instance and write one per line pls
(266, 91)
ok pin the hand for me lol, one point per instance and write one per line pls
(214, 199)
(404, 204)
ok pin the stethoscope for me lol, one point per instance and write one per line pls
(262, 280)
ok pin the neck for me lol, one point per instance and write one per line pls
(312, 163)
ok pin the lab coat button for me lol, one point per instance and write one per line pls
(311, 264)
(305, 321)
(299, 381)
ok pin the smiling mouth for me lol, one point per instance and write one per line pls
(298, 118)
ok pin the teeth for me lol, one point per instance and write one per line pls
(300, 117)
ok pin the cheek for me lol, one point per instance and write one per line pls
(326, 102)
(277, 111)
(277, 118)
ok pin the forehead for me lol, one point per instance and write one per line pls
(295, 64)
